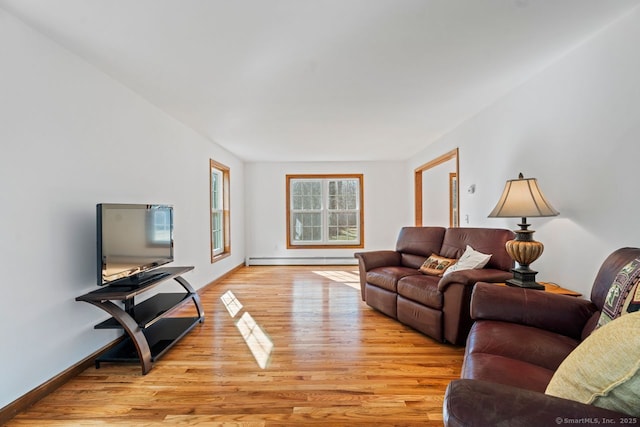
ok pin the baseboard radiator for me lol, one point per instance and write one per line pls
(301, 261)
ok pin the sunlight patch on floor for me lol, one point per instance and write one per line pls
(231, 303)
(252, 333)
(349, 278)
(257, 340)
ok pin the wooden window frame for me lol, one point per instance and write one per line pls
(359, 177)
(226, 211)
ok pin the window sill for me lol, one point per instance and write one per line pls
(222, 256)
(341, 246)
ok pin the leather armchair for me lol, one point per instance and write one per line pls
(519, 339)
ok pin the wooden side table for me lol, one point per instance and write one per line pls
(553, 288)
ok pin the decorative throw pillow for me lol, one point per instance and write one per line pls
(624, 294)
(435, 265)
(470, 260)
(604, 370)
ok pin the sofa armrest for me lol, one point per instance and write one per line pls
(369, 260)
(456, 289)
(481, 403)
(471, 277)
(566, 315)
(375, 259)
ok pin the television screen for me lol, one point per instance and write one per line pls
(132, 240)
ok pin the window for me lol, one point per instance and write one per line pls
(324, 211)
(159, 221)
(219, 185)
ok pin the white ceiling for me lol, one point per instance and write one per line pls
(320, 80)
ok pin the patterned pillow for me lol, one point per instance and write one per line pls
(624, 294)
(435, 265)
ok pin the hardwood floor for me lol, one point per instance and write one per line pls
(318, 355)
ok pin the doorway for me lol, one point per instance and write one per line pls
(437, 195)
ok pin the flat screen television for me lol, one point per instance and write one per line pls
(132, 240)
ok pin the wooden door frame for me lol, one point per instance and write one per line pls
(453, 154)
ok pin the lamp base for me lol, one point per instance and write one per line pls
(524, 278)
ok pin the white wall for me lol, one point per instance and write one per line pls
(386, 206)
(575, 127)
(71, 137)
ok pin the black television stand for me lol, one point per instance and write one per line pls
(150, 333)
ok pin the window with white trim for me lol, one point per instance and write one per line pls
(324, 211)
(219, 197)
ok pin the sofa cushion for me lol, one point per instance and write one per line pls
(505, 370)
(623, 295)
(561, 314)
(605, 369)
(486, 240)
(436, 265)
(422, 289)
(470, 260)
(415, 244)
(387, 277)
(525, 343)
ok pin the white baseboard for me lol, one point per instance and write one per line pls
(300, 261)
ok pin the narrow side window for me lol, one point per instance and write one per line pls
(219, 177)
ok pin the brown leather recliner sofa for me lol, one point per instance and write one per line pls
(519, 339)
(392, 283)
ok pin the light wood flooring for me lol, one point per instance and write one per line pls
(289, 346)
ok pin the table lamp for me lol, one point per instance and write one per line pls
(522, 198)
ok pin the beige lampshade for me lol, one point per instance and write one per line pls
(522, 198)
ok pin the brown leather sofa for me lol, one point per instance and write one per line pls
(517, 342)
(392, 283)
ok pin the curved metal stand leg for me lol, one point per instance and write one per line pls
(194, 296)
(133, 330)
